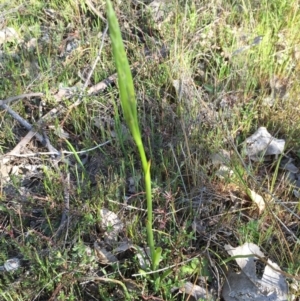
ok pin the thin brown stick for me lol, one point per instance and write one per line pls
(29, 127)
(13, 153)
(14, 98)
(112, 79)
(96, 60)
(24, 141)
(103, 85)
(94, 10)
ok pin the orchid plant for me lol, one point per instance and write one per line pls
(129, 107)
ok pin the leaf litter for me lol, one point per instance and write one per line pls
(258, 200)
(246, 285)
(221, 160)
(111, 225)
(262, 143)
(260, 146)
(194, 292)
(108, 249)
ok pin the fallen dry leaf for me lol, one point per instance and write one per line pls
(111, 225)
(224, 172)
(258, 200)
(104, 256)
(194, 292)
(8, 34)
(246, 285)
(288, 165)
(262, 143)
(221, 157)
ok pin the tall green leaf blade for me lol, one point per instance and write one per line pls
(129, 106)
(125, 81)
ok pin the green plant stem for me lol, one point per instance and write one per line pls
(129, 107)
(149, 213)
(147, 175)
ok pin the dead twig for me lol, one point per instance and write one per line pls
(29, 127)
(94, 10)
(14, 152)
(14, 98)
(112, 79)
(21, 145)
(42, 138)
(104, 84)
(96, 60)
